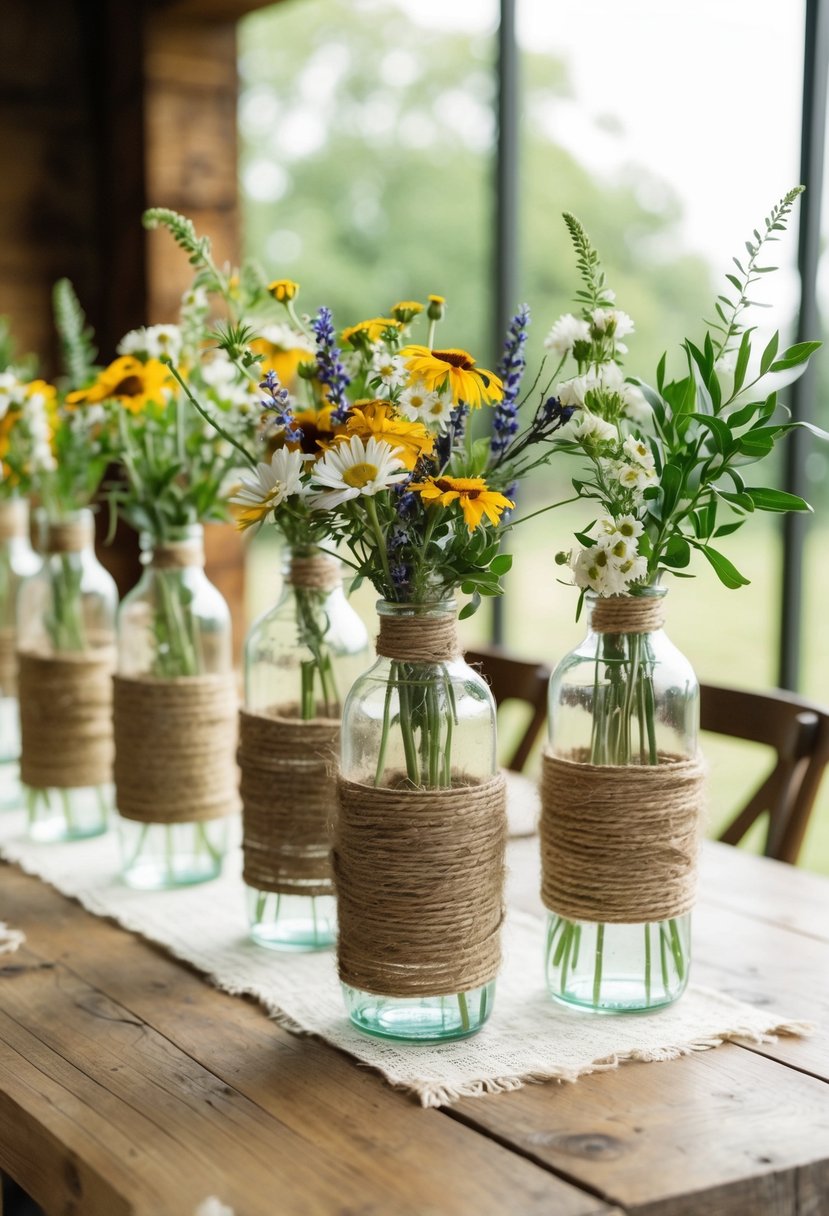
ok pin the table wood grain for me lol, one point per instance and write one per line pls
(129, 1085)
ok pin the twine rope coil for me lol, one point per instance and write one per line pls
(619, 844)
(175, 743)
(68, 535)
(12, 519)
(315, 573)
(627, 614)
(8, 663)
(177, 555)
(418, 639)
(419, 876)
(66, 718)
(289, 800)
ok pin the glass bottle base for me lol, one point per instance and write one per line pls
(292, 922)
(617, 968)
(56, 815)
(428, 1019)
(158, 856)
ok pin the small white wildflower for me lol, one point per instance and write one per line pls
(636, 405)
(420, 404)
(285, 338)
(638, 452)
(152, 342)
(636, 477)
(591, 430)
(565, 333)
(613, 321)
(390, 369)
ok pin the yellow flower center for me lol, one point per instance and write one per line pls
(359, 475)
(437, 409)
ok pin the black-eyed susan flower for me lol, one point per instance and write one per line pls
(456, 369)
(471, 494)
(135, 383)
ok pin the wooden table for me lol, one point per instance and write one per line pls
(129, 1085)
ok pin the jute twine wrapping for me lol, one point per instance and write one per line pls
(627, 614)
(175, 745)
(66, 718)
(315, 573)
(619, 844)
(418, 639)
(68, 535)
(177, 555)
(419, 877)
(289, 800)
(13, 516)
(8, 663)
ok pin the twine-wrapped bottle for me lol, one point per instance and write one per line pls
(301, 657)
(66, 656)
(419, 846)
(621, 803)
(175, 712)
(17, 562)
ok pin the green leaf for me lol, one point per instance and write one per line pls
(743, 501)
(767, 358)
(766, 499)
(723, 440)
(672, 483)
(471, 608)
(801, 352)
(501, 564)
(677, 552)
(726, 572)
(728, 529)
(743, 356)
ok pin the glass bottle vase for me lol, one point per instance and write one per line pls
(17, 562)
(175, 779)
(65, 637)
(620, 698)
(301, 657)
(418, 725)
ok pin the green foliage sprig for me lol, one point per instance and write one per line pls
(78, 351)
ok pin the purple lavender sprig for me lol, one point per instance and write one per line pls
(278, 403)
(330, 368)
(511, 371)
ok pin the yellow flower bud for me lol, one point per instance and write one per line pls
(283, 290)
(405, 310)
(436, 309)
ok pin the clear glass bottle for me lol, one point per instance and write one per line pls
(621, 699)
(174, 623)
(301, 657)
(66, 612)
(18, 561)
(423, 725)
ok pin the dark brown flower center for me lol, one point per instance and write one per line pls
(130, 386)
(457, 358)
(444, 486)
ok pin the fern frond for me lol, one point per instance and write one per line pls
(589, 265)
(78, 353)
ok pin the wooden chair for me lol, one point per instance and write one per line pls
(798, 731)
(514, 679)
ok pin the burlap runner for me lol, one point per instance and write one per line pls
(619, 844)
(419, 876)
(66, 718)
(175, 743)
(289, 800)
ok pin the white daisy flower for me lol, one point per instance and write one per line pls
(152, 342)
(566, 331)
(349, 470)
(638, 452)
(390, 369)
(285, 338)
(420, 404)
(269, 486)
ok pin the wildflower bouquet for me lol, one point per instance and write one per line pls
(665, 471)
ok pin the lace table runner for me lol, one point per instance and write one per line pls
(527, 1039)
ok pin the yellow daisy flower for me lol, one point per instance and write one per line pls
(369, 331)
(404, 310)
(437, 368)
(128, 380)
(378, 419)
(471, 494)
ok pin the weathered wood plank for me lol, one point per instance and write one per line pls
(726, 1132)
(767, 890)
(334, 1138)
